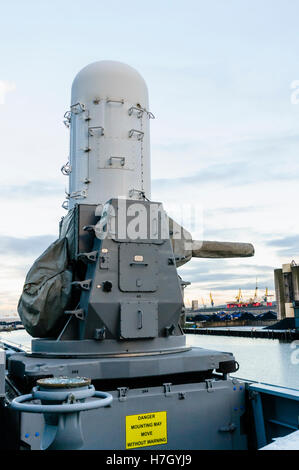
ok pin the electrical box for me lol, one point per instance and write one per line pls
(138, 267)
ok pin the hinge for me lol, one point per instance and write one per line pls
(100, 334)
(77, 108)
(93, 130)
(185, 283)
(169, 330)
(79, 313)
(209, 384)
(139, 134)
(84, 285)
(90, 257)
(122, 393)
(66, 169)
(78, 194)
(88, 228)
(229, 428)
(167, 389)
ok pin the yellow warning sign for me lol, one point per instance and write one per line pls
(149, 429)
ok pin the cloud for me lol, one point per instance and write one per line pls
(25, 246)
(243, 234)
(237, 173)
(18, 271)
(216, 277)
(286, 242)
(5, 87)
(258, 267)
(232, 162)
(241, 285)
(32, 189)
(219, 265)
(231, 210)
(8, 301)
(234, 279)
(229, 276)
(288, 246)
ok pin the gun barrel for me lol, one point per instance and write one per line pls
(214, 249)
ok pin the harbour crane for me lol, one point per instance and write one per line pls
(239, 297)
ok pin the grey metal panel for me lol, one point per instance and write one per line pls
(198, 417)
(32, 425)
(157, 227)
(275, 409)
(110, 347)
(134, 275)
(130, 365)
(138, 319)
(205, 416)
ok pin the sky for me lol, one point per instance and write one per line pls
(223, 79)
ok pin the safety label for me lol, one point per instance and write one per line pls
(149, 429)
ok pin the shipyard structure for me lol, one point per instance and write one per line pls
(287, 292)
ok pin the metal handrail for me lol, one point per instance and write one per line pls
(19, 403)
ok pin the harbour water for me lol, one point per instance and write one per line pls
(264, 360)
(270, 361)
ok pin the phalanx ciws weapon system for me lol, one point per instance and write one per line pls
(104, 302)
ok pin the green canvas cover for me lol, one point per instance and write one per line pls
(47, 289)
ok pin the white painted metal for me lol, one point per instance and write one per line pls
(109, 134)
(289, 442)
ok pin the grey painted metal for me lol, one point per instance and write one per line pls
(138, 276)
(130, 366)
(90, 348)
(203, 415)
(138, 319)
(127, 326)
(61, 408)
(19, 403)
(193, 415)
(48, 395)
(125, 272)
(258, 419)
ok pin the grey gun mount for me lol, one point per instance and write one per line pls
(127, 296)
(131, 298)
(123, 331)
(124, 321)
